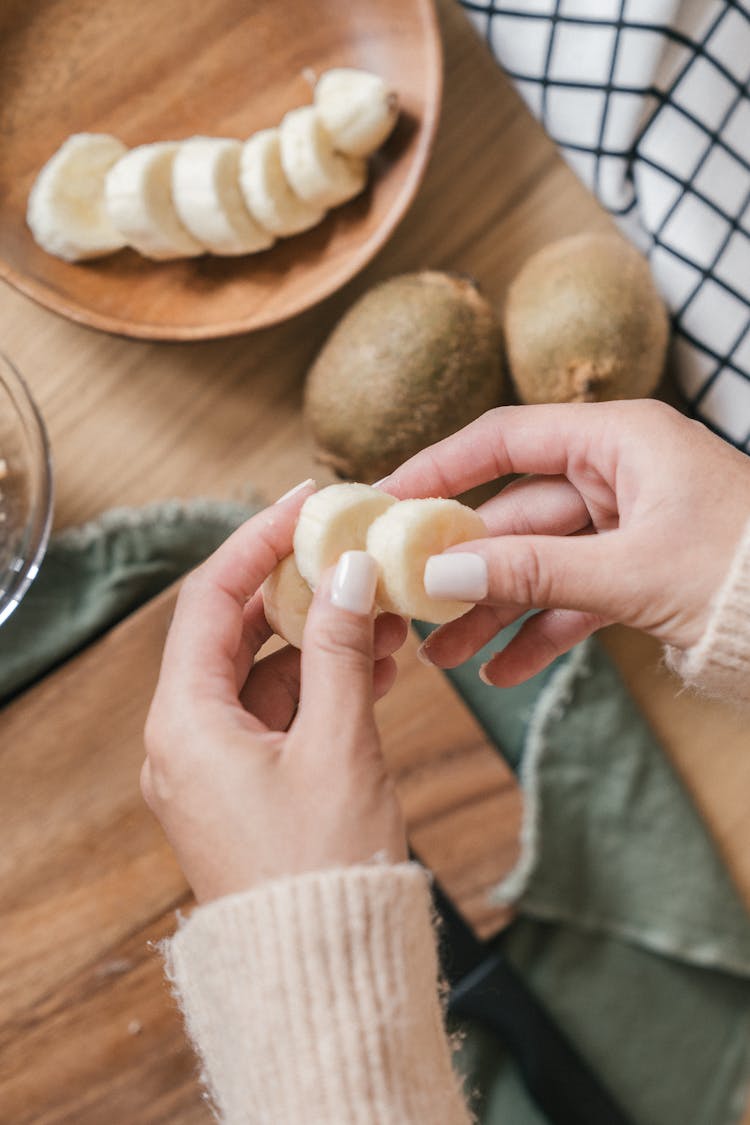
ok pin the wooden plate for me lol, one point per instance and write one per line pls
(152, 70)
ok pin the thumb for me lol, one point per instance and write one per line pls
(337, 651)
(581, 572)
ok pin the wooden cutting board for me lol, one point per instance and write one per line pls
(88, 880)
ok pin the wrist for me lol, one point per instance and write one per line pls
(718, 664)
(337, 968)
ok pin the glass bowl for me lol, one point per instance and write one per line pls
(25, 488)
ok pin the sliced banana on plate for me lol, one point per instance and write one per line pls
(332, 521)
(66, 209)
(266, 192)
(402, 540)
(286, 601)
(315, 171)
(358, 109)
(208, 200)
(210, 194)
(139, 203)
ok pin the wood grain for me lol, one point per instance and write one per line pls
(706, 741)
(88, 878)
(132, 422)
(156, 70)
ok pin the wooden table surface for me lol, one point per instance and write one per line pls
(87, 1030)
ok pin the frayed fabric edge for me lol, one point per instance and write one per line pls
(554, 698)
(158, 513)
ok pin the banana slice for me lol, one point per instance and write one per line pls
(402, 540)
(66, 211)
(332, 521)
(208, 200)
(315, 172)
(286, 601)
(358, 109)
(139, 203)
(268, 197)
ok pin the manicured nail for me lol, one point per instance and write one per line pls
(483, 675)
(297, 488)
(354, 582)
(460, 576)
(378, 483)
(423, 654)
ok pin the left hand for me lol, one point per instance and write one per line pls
(252, 776)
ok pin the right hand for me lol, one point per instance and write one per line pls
(631, 513)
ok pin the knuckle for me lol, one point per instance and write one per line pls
(153, 731)
(528, 582)
(345, 642)
(160, 735)
(655, 414)
(546, 638)
(435, 472)
(147, 785)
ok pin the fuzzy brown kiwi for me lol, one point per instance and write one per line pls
(414, 359)
(584, 323)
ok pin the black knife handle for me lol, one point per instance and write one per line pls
(560, 1082)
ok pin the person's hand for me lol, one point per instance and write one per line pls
(631, 513)
(250, 777)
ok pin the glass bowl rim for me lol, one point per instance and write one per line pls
(30, 416)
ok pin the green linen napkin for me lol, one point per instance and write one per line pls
(93, 576)
(630, 930)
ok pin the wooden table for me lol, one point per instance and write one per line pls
(87, 1030)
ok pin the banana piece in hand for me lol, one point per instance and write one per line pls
(267, 195)
(286, 601)
(401, 541)
(315, 171)
(66, 210)
(332, 521)
(400, 536)
(139, 203)
(358, 109)
(208, 200)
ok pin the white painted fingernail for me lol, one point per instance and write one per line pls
(483, 674)
(354, 582)
(297, 488)
(460, 576)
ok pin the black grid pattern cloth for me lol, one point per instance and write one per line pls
(649, 101)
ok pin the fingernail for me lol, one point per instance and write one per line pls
(423, 654)
(297, 488)
(378, 483)
(354, 582)
(460, 576)
(483, 676)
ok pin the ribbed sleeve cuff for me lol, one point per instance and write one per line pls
(719, 664)
(315, 999)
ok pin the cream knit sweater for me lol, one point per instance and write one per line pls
(314, 1000)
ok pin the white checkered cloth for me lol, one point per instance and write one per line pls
(649, 101)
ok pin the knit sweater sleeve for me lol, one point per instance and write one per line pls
(314, 999)
(719, 664)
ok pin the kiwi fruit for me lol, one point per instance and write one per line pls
(584, 322)
(414, 359)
